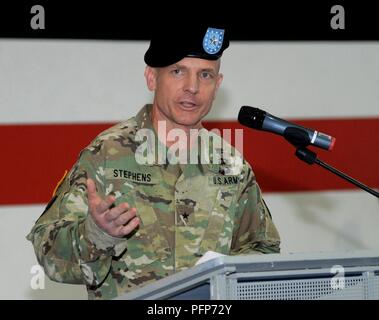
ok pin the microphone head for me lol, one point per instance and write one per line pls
(251, 117)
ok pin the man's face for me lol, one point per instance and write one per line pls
(184, 91)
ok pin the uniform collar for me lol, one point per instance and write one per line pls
(143, 117)
(144, 121)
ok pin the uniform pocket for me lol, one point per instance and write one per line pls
(147, 244)
(218, 235)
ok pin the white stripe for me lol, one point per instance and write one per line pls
(98, 81)
(323, 221)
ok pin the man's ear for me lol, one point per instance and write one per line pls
(220, 77)
(151, 78)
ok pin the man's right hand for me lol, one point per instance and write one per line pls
(118, 221)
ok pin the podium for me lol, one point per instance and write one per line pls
(348, 275)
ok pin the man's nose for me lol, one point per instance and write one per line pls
(191, 84)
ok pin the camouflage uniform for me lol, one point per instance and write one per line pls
(185, 210)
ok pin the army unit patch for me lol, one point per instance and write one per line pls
(213, 39)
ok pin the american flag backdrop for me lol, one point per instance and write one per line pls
(57, 95)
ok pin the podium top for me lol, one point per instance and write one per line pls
(257, 263)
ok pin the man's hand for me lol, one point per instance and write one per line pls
(118, 221)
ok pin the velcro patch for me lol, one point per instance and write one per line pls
(129, 175)
(224, 180)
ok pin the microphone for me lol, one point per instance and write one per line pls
(295, 134)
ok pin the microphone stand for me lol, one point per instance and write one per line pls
(310, 157)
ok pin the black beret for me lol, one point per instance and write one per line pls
(170, 44)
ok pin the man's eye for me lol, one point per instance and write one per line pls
(206, 75)
(177, 71)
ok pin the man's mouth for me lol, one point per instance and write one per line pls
(188, 104)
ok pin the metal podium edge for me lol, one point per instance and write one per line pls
(201, 273)
(183, 279)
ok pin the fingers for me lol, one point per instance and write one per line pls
(125, 230)
(115, 212)
(124, 224)
(97, 205)
(118, 221)
(105, 204)
(91, 190)
(125, 217)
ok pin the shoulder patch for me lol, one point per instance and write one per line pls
(60, 182)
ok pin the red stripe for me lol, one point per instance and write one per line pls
(34, 157)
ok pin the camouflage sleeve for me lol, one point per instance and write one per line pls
(254, 230)
(67, 242)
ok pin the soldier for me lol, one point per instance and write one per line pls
(117, 223)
